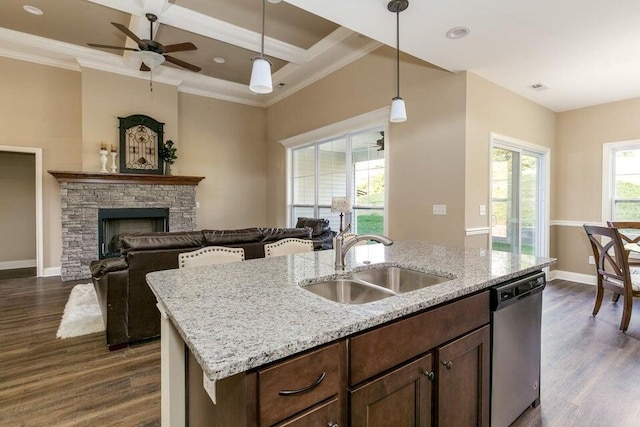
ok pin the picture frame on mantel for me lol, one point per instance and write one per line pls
(140, 140)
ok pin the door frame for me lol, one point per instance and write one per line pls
(496, 139)
(39, 214)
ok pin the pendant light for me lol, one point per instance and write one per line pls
(261, 71)
(398, 109)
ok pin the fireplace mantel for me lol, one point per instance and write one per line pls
(115, 178)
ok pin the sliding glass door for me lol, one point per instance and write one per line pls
(517, 200)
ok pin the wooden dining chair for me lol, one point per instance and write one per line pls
(630, 233)
(288, 247)
(612, 269)
(210, 255)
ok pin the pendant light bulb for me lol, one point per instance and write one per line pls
(261, 76)
(398, 111)
(261, 71)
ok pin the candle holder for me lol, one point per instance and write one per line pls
(103, 161)
(114, 168)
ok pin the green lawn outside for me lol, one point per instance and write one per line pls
(370, 224)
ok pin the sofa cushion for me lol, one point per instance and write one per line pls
(227, 237)
(318, 225)
(161, 240)
(271, 234)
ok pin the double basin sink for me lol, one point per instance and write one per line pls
(374, 284)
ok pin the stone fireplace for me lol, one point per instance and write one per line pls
(84, 195)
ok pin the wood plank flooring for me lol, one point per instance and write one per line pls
(46, 381)
(590, 370)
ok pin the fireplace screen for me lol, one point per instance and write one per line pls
(112, 223)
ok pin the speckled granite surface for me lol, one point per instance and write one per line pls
(239, 316)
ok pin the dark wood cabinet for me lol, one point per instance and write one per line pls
(431, 368)
(402, 397)
(462, 374)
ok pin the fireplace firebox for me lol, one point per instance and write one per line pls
(114, 222)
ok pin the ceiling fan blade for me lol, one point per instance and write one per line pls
(129, 33)
(182, 64)
(180, 47)
(104, 46)
(143, 67)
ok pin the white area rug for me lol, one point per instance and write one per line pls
(82, 314)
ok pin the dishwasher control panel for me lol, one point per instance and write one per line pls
(516, 288)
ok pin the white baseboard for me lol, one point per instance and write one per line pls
(51, 271)
(587, 279)
(10, 265)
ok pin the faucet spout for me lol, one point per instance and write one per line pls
(343, 247)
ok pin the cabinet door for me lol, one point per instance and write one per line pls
(463, 380)
(401, 398)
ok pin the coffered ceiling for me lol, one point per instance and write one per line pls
(301, 46)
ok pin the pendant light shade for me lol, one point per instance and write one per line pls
(261, 70)
(398, 108)
(398, 111)
(261, 76)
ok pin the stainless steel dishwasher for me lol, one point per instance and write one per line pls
(516, 319)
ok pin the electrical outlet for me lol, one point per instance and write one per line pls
(592, 260)
(197, 205)
(439, 209)
(483, 210)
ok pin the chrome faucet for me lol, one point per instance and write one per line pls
(343, 247)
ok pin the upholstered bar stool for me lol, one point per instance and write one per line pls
(210, 255)
(288, 247)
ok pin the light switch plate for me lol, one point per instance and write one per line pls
(197, 205)
(592, 260)
(483, 210)
(439, 209)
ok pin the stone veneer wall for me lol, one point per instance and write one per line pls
(80, 202)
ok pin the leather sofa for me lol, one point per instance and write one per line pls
(127, 303)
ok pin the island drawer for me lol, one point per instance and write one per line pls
(299, 383)
(381, 349)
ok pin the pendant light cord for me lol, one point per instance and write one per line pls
(262, 38)
(398, 50)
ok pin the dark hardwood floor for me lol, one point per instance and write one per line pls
(16, 273)
(46, 381)
(590, 370)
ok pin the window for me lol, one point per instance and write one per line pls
(352, 165)
(625, 183)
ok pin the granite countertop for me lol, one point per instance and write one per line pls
(238, 316)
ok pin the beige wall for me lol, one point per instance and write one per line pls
(491, 108)
(17, 207)
(581, 134)
(40, 106)
(426, 153)
(107, 96)
(225, 142)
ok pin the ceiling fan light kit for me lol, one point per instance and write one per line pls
(398, 109)
(151, 59)
(261, 71)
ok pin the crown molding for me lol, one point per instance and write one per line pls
(119, 67)
(209, 93)
(38, 59)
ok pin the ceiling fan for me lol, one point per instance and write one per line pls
(152, 52)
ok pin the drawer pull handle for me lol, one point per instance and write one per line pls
(332, 424)
(429, 375)
(315, 384)
(447, 364)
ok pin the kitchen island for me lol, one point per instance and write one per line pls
(236, 319)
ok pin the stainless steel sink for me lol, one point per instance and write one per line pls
(399, 280)
(348, 291)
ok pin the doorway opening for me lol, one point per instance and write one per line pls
(21, 254)
(519, 197)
